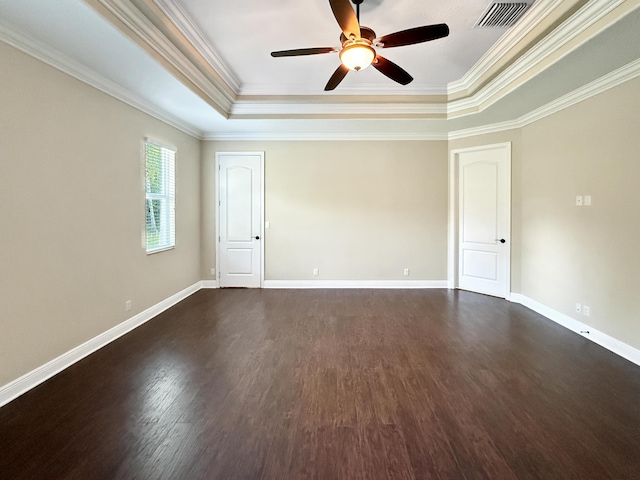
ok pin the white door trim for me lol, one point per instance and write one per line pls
(217, 186)
(452, 254)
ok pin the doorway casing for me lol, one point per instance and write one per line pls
(261, 212)
(454, 209)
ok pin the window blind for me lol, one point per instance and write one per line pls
(160, 197)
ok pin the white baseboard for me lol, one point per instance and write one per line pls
(209, 284)
(355, 284)
(35, 377)
(612, 344)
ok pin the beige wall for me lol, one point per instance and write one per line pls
(586, 255)
(355, 210)
(562, 254)
(71, 213)
(71, 210)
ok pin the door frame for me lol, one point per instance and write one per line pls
(262, 191)
(454, 209)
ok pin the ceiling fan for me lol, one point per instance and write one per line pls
(358, 42)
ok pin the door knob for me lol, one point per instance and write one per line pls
(501, 240)
(257, 237)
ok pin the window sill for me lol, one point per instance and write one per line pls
(158, 250)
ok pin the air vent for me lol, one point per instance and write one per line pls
(501, 14)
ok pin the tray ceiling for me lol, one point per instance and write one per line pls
(205, 65)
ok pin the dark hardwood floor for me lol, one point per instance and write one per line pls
(333, 384)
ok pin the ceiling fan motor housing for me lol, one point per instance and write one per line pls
(365, 32)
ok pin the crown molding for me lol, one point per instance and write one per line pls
(550, 49)
(483, 129)
(267, 109)
(329, 107)
(362, 89)
(604, 83)
(176, 14)
(216, 94)
(331, 136)
(45, 54)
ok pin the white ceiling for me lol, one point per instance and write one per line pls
(201, 64)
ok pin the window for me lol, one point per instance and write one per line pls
(160, 197)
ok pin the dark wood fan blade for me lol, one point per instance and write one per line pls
(303, 51)
(414, 35)
(391, 70)
(346, 17)
(336, 78)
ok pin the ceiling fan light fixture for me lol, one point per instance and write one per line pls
(357, 56)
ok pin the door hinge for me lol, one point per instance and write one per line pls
(218, 239)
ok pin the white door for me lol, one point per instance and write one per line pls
(484, 185)
(240, 192)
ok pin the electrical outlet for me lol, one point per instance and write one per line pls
(213, 272)
(406, 272)
(579, 201)
(578, 308)
(587, 200)
(315, 272)
(586, 311)
(127, 305)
